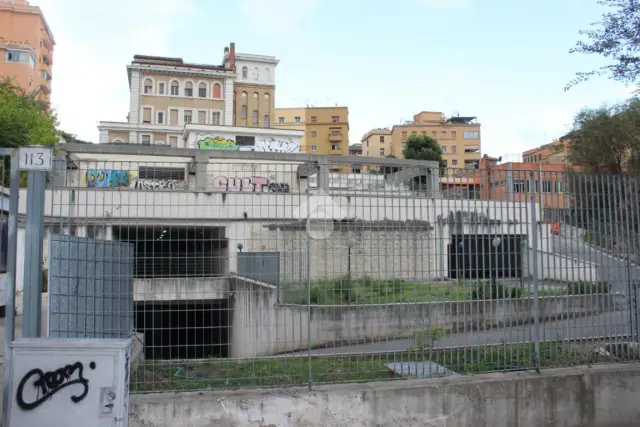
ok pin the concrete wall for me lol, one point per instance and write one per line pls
(597, 396)
(262, 326)
(173, 289)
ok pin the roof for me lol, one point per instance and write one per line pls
(176, 62)
(461, 119)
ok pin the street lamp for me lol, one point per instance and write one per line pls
(495, 243)
(351, 242)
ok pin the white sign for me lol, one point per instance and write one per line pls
(35, 158)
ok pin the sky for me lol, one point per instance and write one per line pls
(504, 61)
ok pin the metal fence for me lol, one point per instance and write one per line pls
(259, 270)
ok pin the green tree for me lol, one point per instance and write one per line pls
(616, 39)
(422, 147)
(71, 138)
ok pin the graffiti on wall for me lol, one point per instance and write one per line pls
(217, 143)
(253, 184)
(104, 178)
(274, 145)
(158, 184)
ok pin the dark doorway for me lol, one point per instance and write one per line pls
(184, 329)
(481, 256)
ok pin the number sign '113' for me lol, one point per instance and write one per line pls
(35, 158)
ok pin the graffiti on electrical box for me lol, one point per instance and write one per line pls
(47, 384)
(217, 143)
(253, 184)
(104, 178)
(158, 184)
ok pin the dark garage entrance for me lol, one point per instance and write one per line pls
(474, 256)
(184, 329)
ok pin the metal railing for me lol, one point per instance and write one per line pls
(259, 270)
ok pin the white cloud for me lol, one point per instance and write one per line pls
(93, 46)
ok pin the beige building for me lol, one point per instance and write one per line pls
(26, 46)
(458, 136)
(326, 129)
(555, 152)
(168, 93)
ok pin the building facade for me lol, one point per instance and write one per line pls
(458, 136)
(326, 129)
(555, 152)
(26, 47)
(167, 93)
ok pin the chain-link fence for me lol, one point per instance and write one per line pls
(257, 270)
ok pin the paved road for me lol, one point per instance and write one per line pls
(615, 271)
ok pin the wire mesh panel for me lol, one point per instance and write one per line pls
(258, 269)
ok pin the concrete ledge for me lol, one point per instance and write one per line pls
(598, 396)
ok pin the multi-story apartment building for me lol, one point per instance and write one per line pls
(555, 152)
(26, 47)
(458, 136)
(376, 143)
(168, 93)
(326, 129)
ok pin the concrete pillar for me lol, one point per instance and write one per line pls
(201, 163)
(134, 98)
(227, 116)
(324, 172)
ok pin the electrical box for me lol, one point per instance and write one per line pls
(70, 382)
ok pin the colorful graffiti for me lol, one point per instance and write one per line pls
(104, 178)
(253, 184)
(217, 143)
(156, 184)
(273, 145)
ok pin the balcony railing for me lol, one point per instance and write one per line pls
(45, 87)
(335, 137)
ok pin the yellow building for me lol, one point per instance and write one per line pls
(26, 47)
(458, 136)
(326, 129)
(555, 152)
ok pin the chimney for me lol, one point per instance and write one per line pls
(232, 56)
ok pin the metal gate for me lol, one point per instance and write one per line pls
(90, 288)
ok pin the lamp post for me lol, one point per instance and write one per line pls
(351, 242)
(495, 243)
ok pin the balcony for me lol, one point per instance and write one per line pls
(46, 41)
(45, 87)
(46, 58)
(335, 137)
(45, 75)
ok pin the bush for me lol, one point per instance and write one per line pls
(489, 290)
(588, 288)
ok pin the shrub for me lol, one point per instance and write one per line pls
(588, 288)
(490, 290)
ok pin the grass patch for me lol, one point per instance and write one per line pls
(292, 371)
(343, 291)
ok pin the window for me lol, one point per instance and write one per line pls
(217, 91)
(444, 148)
(215, 118)
(160, 173)
(202, 117)
(188, 89)
(446, 163)
(547, 186)
(254, 118)
(434, 134)
(454, 149)
(382, 151)
(245, 72)
(454, 163)
(335, 119)
(469, 134)
(146, 140)
(314, 119)
(243, 111)
(559, 186)
(202, 90)
(414, 133)
(175, 88)
(161, 88)
(423, 132)
(335, 147)
(245, 141)
(256, 73)
(281, 120)
(443, 133)
(381, 139)
(519, 186)
(297, 119)
(187, 116)
(160, 117)
(314, 148)
(17, 56)
(146, 115)
(453, 134)
(404, 134)
(265, 122)
(173, 117)
(173, 141)
(314, 134)
(148, 86)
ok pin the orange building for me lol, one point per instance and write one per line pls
(26, 46)
(554, 153)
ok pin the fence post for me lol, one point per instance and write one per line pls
(34, 234)
(10, 309)
(534, 249)
(308, 201)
